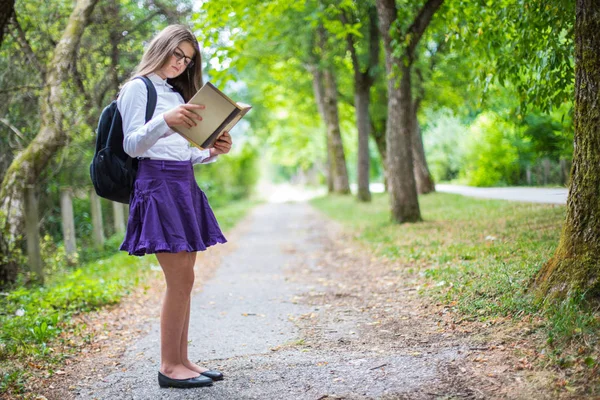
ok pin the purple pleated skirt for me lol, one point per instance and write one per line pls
(168, 212)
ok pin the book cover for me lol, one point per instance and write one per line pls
(219, 115)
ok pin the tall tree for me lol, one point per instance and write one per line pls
(423, 178)
(29, 164)
(364, 77)
(400, 175)
(378, 117)
(575, 266)
(326, 96)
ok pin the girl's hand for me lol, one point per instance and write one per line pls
(183, 116)
(222, 145)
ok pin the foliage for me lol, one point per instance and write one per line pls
(528, 44)
(231, 178)
(269, 49)
(443, 138)
(513, 59)
(492, 151)
(491, 154)
(550, 135)
(54, 256)
(32, 316)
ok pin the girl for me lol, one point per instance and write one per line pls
(169, 214)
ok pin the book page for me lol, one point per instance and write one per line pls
(217, 110)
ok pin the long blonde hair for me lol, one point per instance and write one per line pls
(159, 51)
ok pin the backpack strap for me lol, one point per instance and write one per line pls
(152, 96)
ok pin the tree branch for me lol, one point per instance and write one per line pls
(420, 23)
(173, 16)
(420, 91)
(351, 48)
(14, 129)
(20, 88)
(26, 47)
(142, 22)
(374, 46)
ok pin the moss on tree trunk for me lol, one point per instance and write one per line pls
(29, 164)
(575, 266)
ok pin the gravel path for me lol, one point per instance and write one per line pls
(247, 322)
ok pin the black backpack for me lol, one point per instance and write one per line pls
(112, 170)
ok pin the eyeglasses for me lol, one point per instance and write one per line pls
(179, 55)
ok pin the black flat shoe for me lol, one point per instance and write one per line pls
(197, 381)
(213, 374)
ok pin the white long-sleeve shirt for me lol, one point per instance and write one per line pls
(155, 139)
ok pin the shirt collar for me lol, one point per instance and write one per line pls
(157, 80)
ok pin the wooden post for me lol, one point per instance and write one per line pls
(33, 233)
(68, 222)
(118, 217)
(546, 169)
(97, 226)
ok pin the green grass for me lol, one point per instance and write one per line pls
(32, 316)
(478, 254)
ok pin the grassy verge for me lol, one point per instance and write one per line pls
(31, 318)
(480, 255)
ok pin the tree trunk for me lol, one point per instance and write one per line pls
(68, 223)
(421, 170)
(32, 228)
(326, 97)
(97, 224)
(362, 100)
(330, 187)
(401, 179)
(29, 164)
(575, 267)
(363, 80)
(341, 185)
(379, 138)
(118, 217)
(379, 126)
(319, 90)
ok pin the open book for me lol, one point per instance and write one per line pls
(220, 115)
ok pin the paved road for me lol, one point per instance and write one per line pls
(285, 193)
(527, 194)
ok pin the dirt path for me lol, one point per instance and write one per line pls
(297, 310)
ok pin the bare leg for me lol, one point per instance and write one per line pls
(184, 348)
(179, 274)
(184, 335)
